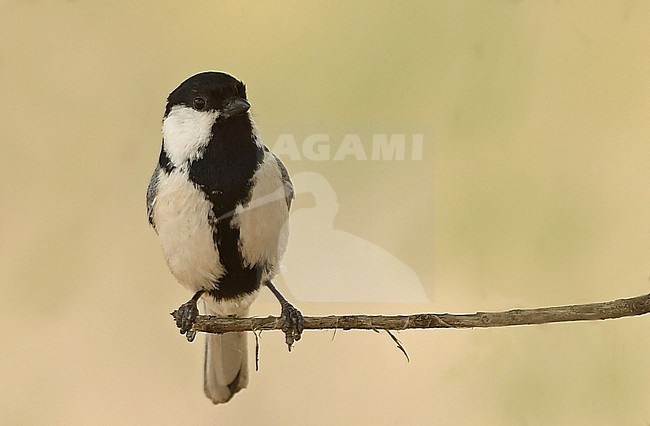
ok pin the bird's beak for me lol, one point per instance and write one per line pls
(235, 106)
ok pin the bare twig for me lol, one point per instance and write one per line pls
(639, 305)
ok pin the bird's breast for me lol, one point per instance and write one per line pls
(183, 218)
(263, 219)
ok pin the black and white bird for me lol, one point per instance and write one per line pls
(219, 201)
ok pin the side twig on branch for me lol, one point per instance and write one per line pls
(619, 308)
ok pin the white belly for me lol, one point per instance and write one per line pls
(182, 215)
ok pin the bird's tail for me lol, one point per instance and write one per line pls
(226, 365)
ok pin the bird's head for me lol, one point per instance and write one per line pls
(202, 101)
(212, 92)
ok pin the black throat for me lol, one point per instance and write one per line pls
(229, 161)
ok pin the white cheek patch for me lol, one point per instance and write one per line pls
(186, 132)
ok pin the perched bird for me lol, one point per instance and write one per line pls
(219, 201)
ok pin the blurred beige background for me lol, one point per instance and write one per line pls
(532, 191)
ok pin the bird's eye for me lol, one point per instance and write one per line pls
(199, 103)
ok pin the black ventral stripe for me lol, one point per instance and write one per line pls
(224, 174)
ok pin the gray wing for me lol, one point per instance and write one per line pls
(152, 191)
(289, 193)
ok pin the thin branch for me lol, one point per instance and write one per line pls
(634, 306)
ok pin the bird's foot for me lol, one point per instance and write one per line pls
(293, 323)
(185, 316)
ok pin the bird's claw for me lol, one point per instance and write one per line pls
(293, 324)
(185, 316)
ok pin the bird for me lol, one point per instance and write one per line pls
(219, 202)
